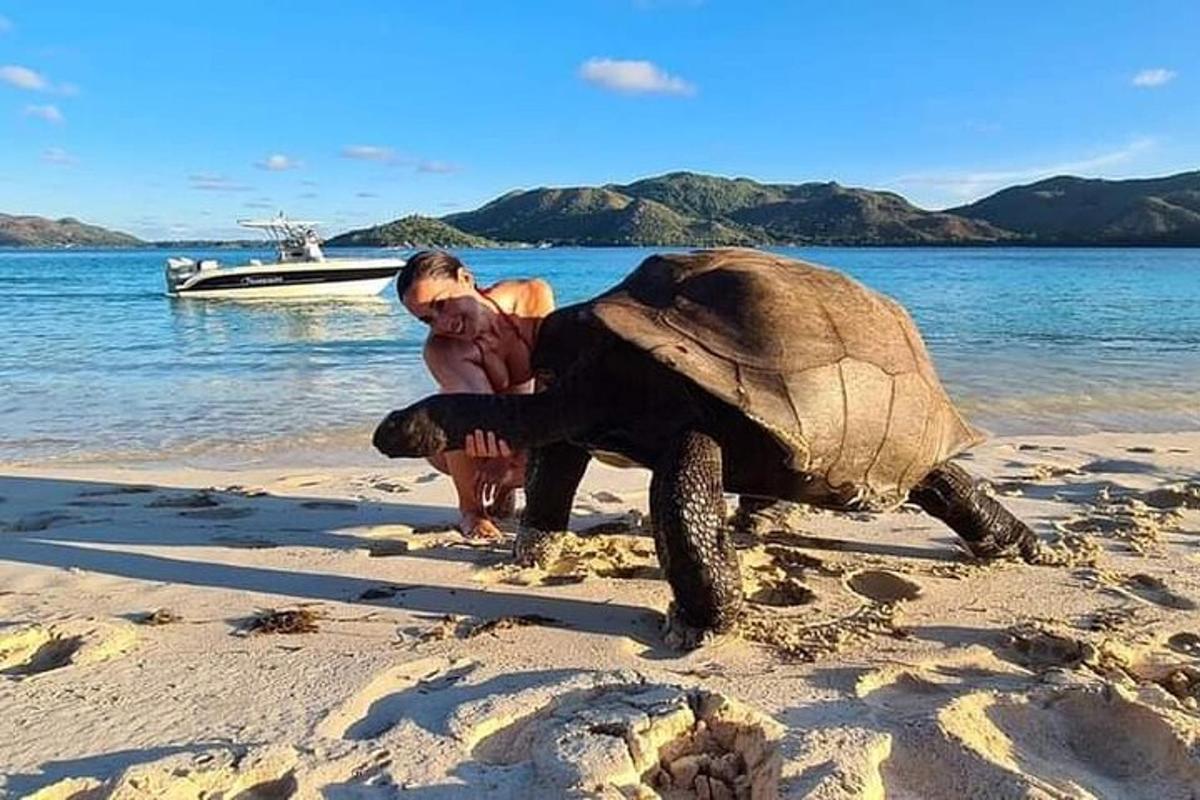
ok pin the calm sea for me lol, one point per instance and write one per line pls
(96, 363)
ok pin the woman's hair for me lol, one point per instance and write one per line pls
(427, 264)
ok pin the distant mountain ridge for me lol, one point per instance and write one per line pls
(31, 231)
(1093, 211)
(685, 208)
(691, 209)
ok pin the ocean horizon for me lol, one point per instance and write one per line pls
(99, 365)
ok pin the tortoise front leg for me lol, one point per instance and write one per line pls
(552, 475)
(687, 510)
(990, 530)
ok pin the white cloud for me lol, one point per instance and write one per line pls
(437, 167)
(47, 112)
(970, 185)
(1149, 78)
(370, 152)
(365, 195)
(5, 24)
(23, 78)
(277, 162)
(633, 77)
(207, 182)
(33, 81)
(56, 155)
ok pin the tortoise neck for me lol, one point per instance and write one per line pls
(522, 420)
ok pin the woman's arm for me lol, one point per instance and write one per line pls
(456, 368)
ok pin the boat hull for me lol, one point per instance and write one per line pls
(311, 280)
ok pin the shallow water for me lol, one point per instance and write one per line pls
(97, 363)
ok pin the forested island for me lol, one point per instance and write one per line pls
(690, 209)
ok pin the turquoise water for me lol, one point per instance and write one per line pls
(97, 363)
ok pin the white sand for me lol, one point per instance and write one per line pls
(977, 681)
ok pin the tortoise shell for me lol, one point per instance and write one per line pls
(835, 372)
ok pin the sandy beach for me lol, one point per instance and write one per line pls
(139, 655)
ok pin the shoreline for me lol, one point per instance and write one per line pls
(307, 455)
(884, 653)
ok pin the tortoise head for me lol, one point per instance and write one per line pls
(412, 431)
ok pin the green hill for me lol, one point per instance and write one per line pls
(1082, 211)
(411, 231)
(30, 231)
(703, 196)
(827, 213)
(683, 208)
(688, 209)
(591, 216)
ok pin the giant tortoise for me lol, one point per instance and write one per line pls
(729, 370)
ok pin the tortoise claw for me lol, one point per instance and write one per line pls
(537, 548)
(678, 634)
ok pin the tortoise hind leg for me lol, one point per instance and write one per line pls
(687, 509)
(950, 493)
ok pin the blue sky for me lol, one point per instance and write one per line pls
(173, 120)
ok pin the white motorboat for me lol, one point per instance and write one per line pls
(300, 270)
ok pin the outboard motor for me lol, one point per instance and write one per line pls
(178, 271)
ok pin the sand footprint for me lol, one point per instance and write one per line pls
(40, 521)
(1097, 740)
(381, 703)
(794, 562)
(883, 587)
(1185, 495)
(32, 650)
(1186, 643)
(903, 691)
(1079, 742)
(1153, 590)
(783, 593)
(388, 485)
(29, 650)
(260, 774)
(1119, 466)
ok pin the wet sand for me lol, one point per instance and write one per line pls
(324, 632)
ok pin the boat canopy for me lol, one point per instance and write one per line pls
(295, 240)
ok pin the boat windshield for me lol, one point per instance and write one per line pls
(294, 240)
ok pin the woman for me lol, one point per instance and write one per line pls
(480, 341)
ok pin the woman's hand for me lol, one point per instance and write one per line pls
(493, 478)
(485, 444)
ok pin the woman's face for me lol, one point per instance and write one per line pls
(449, 306)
